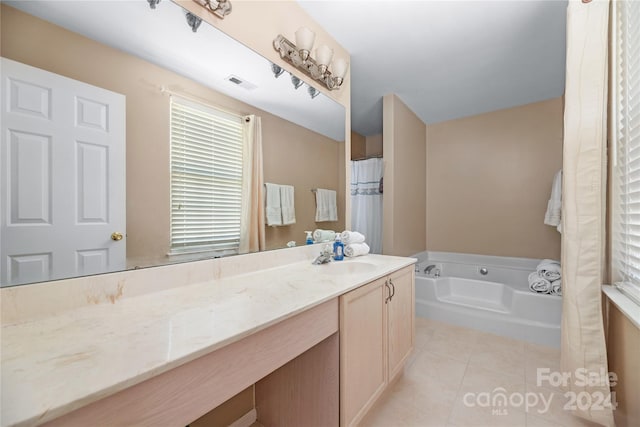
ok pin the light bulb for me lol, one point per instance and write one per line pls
(324, 55)
(339, 68)
(305, 38)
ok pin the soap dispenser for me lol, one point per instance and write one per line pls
(338, 249)
(309, 237)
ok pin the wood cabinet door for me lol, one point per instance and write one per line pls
(363, 350)
(401, 312)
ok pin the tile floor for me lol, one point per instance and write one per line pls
(453, 368)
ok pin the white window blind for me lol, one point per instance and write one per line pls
(626, 135)
(206, 178)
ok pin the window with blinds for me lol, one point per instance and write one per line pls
(626, 135)
(206, 178)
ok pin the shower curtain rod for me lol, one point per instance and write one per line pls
(377, 156)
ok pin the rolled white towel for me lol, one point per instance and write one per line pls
(556, 287)
(324, 235)
(351, 237)
(549, 269)
(539, 284)
(356, 249)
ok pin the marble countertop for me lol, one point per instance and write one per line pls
(55, 365)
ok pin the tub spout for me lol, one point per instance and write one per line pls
(432, 269)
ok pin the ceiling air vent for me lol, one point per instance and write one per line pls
(240, 82)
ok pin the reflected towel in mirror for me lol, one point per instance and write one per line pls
(287, 204)
(324, 235)
(273, 209)
(326, 206)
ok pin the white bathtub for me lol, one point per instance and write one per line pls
(499, 302)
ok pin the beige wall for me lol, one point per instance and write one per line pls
(364, 147)
(286, 146)
(623, 354)
(358, 146)
(489, 179)
(374, 145)
(404, 207)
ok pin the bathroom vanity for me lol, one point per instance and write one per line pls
(320, 342)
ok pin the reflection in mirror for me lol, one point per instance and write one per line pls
(115, 73)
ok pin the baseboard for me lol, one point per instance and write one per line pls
(246, 420)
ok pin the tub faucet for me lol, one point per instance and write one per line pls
(428, 269)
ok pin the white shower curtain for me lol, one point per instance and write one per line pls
(583, 210)
(366, 201)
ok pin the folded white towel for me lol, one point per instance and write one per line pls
(539, 284)
(287, 204)
(324, 235)
(273, 209)
(553, 215)
(351, 237)
(326, 206)
(549, 269)
(556, 287)
(356, 249)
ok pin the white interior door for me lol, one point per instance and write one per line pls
(62, 164)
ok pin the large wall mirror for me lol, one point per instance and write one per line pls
(92, 98)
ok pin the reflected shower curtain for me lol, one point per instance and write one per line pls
(366, 201)
(252, 235)
(583, 202)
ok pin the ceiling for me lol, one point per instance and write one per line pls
(447, 59)
(161, 36)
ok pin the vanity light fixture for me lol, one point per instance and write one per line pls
(299, 54)
(277, 70)
(296, 82)
(313, 92)
(220, 8)
(193, 21)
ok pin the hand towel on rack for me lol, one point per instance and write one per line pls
(356, 249)
(553, 216)
(349, 237)
(324, 235)
(287, 204)
(326, 207)
(273, 209)
(539, 284)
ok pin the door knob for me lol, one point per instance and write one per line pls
(116, 236)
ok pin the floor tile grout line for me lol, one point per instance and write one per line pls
(455, 399)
